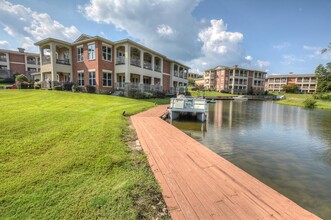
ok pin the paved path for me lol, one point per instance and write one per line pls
(199, 184)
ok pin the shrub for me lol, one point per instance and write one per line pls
(57, 88)
(8, 80)
(68, 86)
(309, 103)
(75, 88)
(90, 89)
(21, 78)
(136, 94)
(158, 94)
(195, 89)
(148, 95)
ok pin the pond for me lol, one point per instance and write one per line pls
(286, 147)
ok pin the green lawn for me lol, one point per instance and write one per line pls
(63, 156)
(297, 100)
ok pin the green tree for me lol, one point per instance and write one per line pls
(191, 81)
(21, 78)
(328, 48)
(290, 88)
(323, 75)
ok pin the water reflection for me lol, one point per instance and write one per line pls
(288, 148)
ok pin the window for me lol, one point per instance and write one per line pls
(106, 79)
(92, 78)
(106, 53)
(81, 79)
(80, 52)
(91, 51)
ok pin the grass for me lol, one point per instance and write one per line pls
(298, 100)
(63, 155)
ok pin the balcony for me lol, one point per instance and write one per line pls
(33, 62)
(46, 60)
(157, 68)
(120, 60)
(148, 66)
(3, 59)
(63, 62)
(135, 62)
(176, 73)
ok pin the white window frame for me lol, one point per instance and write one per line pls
(80, 53)
(107, 53)
(91, 51)
(80, 76)
(92, 78)
(108, 73)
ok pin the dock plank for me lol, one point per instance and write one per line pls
(199, 184)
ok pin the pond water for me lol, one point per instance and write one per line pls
(288, 148)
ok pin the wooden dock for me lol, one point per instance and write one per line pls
(199, 184)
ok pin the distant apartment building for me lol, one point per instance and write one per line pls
(234, 80)
(306, 83)
(18, 62)
(109, 65)
(194, 75)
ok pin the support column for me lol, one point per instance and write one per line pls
(53, 63)
(127, 63)
(153, 61)
(141, 59)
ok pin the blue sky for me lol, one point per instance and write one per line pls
(276, 36)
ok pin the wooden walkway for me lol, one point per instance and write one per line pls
(199, 184)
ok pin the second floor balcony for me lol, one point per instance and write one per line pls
(64, 61)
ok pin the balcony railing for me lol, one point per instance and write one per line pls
(3, 59)
(120, 60)
(46, 61)
(31, 62)
(176, 73)
(157, 68)
(135, 62)
(64, 62)
(148, 66)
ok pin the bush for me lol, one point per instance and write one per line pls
(75, 88)
(8, 80)
(57, 88)
(158, 94)
(195, 89)
(21, 78)
(90, 89)
(148, 95)
(68, 86)
(309, 103)
(24, 85)
(136, 94)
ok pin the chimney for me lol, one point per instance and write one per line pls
(21, 50)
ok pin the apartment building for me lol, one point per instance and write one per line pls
(194, 75)
(234, 80)
(18, 62)
(109, 65)
(307, 83)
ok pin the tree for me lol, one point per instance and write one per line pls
(290, 88)
(323, 75)
(21, 78)
(328, 48)
(191, 81)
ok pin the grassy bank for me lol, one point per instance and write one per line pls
(298, 99)
(63, 156)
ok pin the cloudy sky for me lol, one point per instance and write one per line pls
(277, 36)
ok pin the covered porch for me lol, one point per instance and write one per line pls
(138, 82)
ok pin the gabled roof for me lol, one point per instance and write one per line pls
(47, 40)
(82, 37)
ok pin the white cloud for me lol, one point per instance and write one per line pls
(28, 26)
(282, 45)
(249, 58)
(166, 26)
(169, 27)
(316, 53)
(4, 44)
(164, 30)
(289, 59)
(262, 64)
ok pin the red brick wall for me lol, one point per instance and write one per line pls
(166, 66)
(98, 64)
(17, 68)
(166, 82)
(14, 67)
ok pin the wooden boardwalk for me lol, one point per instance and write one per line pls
(199, 184)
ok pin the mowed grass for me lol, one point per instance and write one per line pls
(62, 156)
(298, 99)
